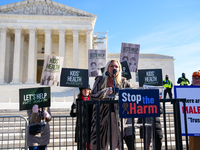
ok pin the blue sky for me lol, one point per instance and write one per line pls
(166, 27)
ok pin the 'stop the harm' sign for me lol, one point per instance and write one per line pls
(135, 103)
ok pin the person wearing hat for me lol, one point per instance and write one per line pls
(194, 143)
(183, 81)
(83, 95)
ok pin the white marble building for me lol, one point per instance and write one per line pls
(30, 29)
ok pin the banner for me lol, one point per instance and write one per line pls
(191, 93)
(71, 77)
(130, 53)
(125, 70)
(134, 103)
(96, 61)
(150, 77)
(51, 70)
(31, 96)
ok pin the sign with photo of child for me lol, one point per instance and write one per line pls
(51, 70)
(96, 61)
(130, 54)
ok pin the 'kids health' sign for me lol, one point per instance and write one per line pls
(150, 77)
(71, 77)
(135, 103)
(191, 93)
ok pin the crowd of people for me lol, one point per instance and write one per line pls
(104, 89)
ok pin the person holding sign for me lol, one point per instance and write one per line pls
(39, 119)
(183, 81)
(168, 87)
(84, 95)
(103, 89)
(194, 141)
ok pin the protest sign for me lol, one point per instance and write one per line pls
(96, 61)
(125, 70)
(31, 96)
(130, 53)
(134, 103)
(71, 77)
(51, 70)
(150, 77)
(191, 93)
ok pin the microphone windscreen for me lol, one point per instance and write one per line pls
(114, 71)
(107, 73)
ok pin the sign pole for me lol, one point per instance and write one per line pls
(74, 95)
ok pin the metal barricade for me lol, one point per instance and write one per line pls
(168, 142)
(62, 129)
(13, 132)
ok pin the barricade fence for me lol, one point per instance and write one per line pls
(62, 128)
(83, 126)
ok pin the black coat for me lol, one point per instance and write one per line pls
(85, 133)
(158, 127)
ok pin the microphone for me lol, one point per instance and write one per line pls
(114, 72)
(108, 74)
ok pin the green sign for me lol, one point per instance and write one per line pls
(31, 96)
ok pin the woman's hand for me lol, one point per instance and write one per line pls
(46, 114)
(35, 108)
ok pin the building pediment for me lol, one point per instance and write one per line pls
(42, 7)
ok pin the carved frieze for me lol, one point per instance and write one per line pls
(40, 8)
(78, 22)
(7, 21)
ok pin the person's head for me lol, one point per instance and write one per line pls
(196, 78)
(183, 75)
(132, 61)
(93, 65)
(84, 92)
(110, 66)
(125, 58)
(166, 77)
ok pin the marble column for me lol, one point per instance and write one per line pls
(3, 54)
(48, 41)
(62, 43)
(8, 61)
(31, 56)
(75, 48)
(89, 43)
(16, 63)
(21, 75)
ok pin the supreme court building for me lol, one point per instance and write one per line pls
(30, 29)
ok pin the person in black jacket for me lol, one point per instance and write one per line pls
(158, 131)
(84, 95)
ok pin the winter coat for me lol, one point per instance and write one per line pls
(158, 127)
(83, 126)
(98, 93)
(42, 138)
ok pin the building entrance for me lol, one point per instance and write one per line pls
(39, 69)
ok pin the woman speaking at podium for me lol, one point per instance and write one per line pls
(103, 89)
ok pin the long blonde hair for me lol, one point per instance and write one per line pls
(118, 77)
